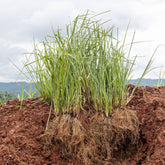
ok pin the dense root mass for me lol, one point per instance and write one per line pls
(131, 136)
(125, 132)
(97, 143)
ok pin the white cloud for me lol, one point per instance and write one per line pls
(54, 15)
(21, 20)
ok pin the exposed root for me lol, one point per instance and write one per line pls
(96, 143)
(124, 130)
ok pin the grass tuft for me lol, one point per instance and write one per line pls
(88, 64)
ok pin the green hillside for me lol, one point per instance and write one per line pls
(10, 91)
(149, 82)
(6, 96)
(15, 87)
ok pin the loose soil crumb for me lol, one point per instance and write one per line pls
(22, 128)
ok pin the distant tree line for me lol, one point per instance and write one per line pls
(7, 96)
(16, 87)
(11, 96)
(10, 91)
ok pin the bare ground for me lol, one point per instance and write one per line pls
(23, 139)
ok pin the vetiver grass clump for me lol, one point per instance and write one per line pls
(83, 73)
(88, 63)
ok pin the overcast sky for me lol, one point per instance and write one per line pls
(21, 20)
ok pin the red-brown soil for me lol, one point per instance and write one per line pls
(22, 126)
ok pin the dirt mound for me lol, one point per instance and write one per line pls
(23, 138)
(149, 102)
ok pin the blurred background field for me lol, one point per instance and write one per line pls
(11, 90)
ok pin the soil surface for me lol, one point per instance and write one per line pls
(22, 124)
